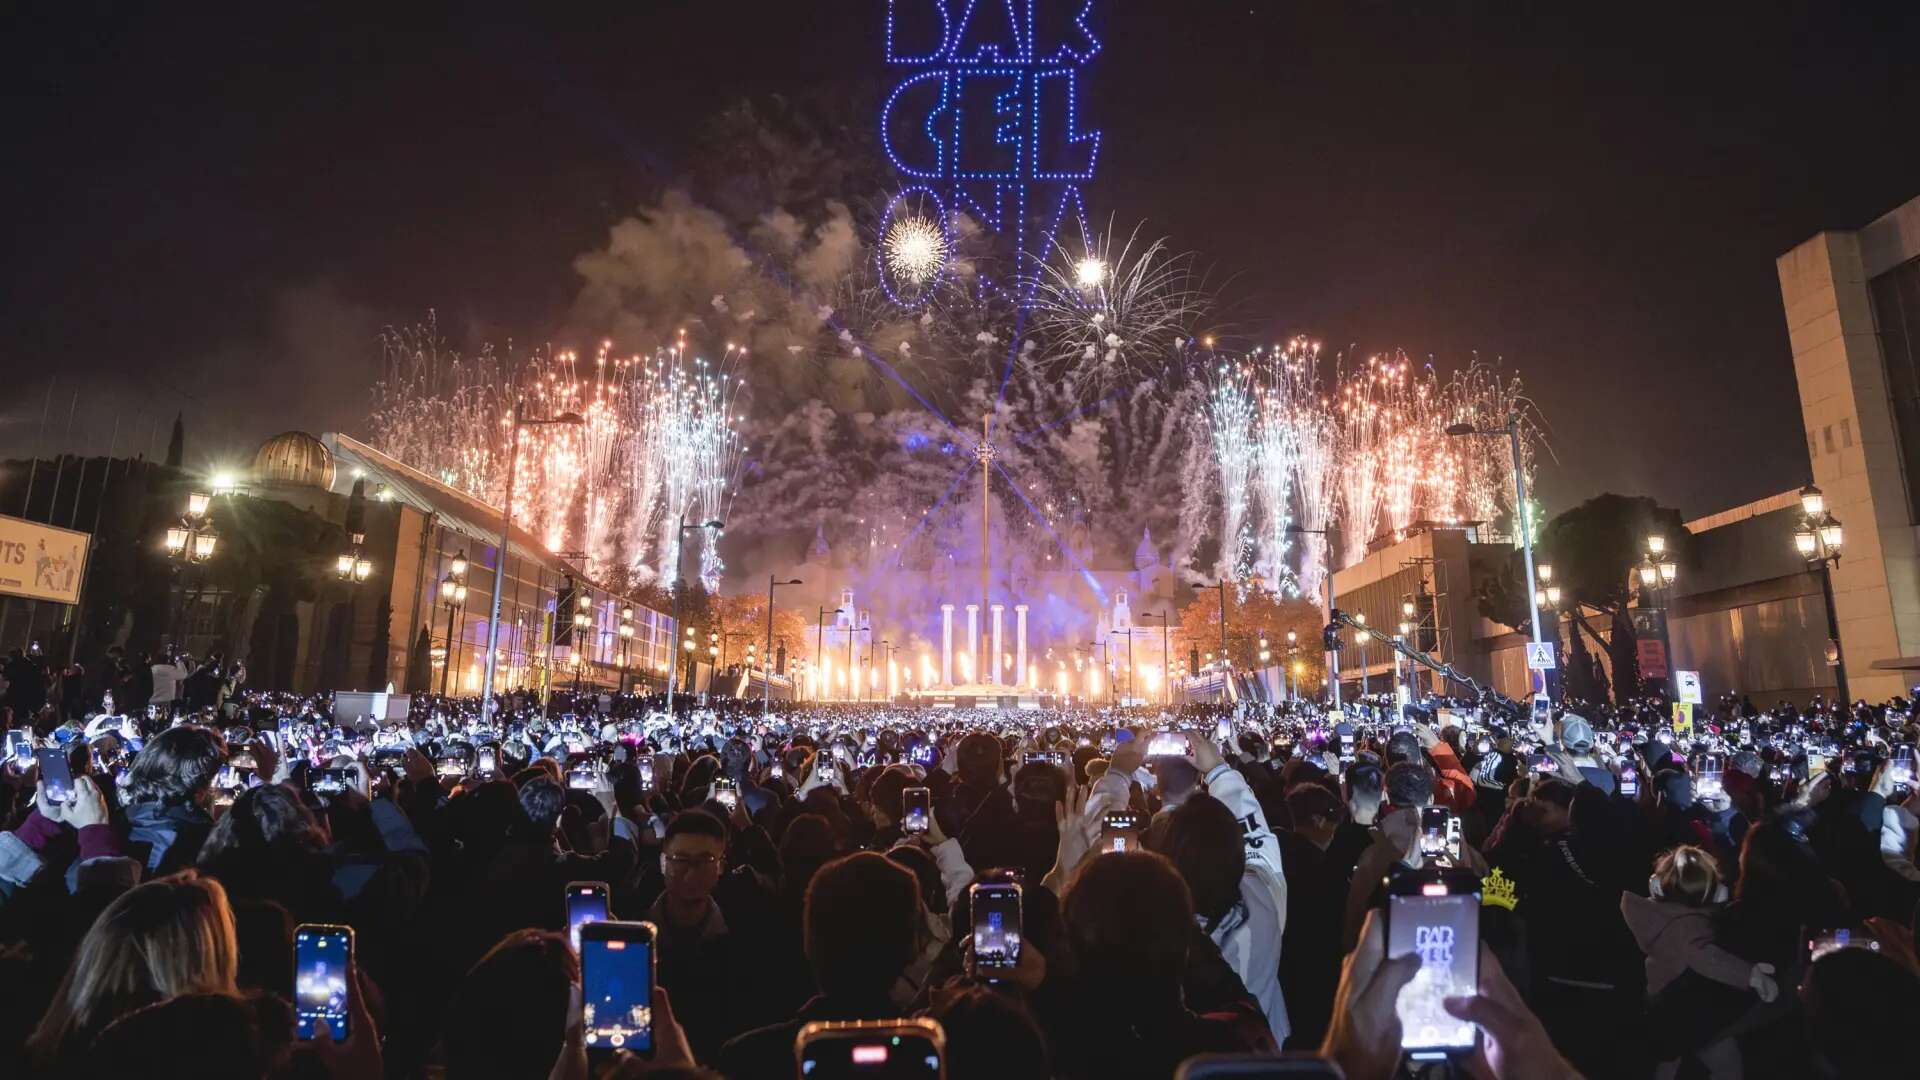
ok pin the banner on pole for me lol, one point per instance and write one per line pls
(40, 562)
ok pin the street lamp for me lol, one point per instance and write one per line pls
(453, 593)
(626, 645)
(1166, 644)
(766, 679)
(519, 420)
(1818, 541)
(1658, 571)
(1511, 429)
(717, 526)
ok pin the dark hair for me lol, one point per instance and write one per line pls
(209, 1036)
(885, 788)
(176, 766)
(990, 1034)
(541, 800)
(862, 925)
(508, 1017)
(1204, 842)
(696, 822)
(1308, 800)
(1403, 746)
(1855, 999)
(1366, 778)
(1129, 922)
(1409, 784)
(933, 891)
(268, 817)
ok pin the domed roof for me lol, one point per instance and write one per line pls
(294, 457)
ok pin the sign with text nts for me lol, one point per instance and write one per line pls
(41, 562)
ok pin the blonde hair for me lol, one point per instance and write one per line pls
(1687, 875)
(171, 936)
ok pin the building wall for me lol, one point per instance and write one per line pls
(1853, 440)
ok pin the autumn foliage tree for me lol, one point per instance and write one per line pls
(1253, 616)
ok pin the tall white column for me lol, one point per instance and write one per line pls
(1020, 644)
(998, 652)
(973, 638)
(946, 644)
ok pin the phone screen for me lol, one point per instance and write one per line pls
(331, 781)
(488, 761)
(1433, 831)
(996, 926)
(873, 1054)
(586, 902)
(646, 771)
(1629, 781)
(616, 986)
(918, 804)
(322, 966)
(1119, 828)
(20, 744)
(1443, 929)
(56, 772)
(1168, 745)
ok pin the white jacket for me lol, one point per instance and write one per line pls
(1250, 942)
(1897, 828)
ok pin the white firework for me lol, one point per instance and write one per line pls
(1113, 313)
(1231, 415)
(916, 249)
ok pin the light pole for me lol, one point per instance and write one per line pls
(678, 588)
(820, 650)
(1511, 429)
(1293, 673)
(1327, 638)
(582, 626)
(766, 675)
(626, 645)
(1548, 598)
(192, 541)
(1818, 542)
(1166, 654)
(1360, 637)
(453, 592)
(520, 420)
(1658, 572)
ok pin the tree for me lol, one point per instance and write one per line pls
(743, 620)
(1258, 615)
(1594, 549)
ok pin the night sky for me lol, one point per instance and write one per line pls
(216, 211)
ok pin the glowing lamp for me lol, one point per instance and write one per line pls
(177, 540)
(1553, 596)
(1830, 533)
(459, 565)
(1804, 541)
(197, 503)
(1813, 501)
(1649, 574)
(1669, 571)
(1544, 572)
(1656, 544)
(203, 546)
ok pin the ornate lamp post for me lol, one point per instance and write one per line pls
(1818, 541)
(1657, 572)
(626, 645)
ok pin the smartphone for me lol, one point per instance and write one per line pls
(488, 761)
(646, 771)
(1543, 764)
(996, 925)
(776, 772)
(1223, 731)
(826, 772)
(1816, 764)
(331, 781)
(322, 973)
(1822, 944)
(1629, 781)
(1435, 915)
(1168, 744)
(56, 773)
(580, 777)
(586, 902)
(1542, 713)
(917, 802)
(1433, 831)
(19, 744)
(726, 793)
(1120, 830)
(872, 1050)
(616, 987)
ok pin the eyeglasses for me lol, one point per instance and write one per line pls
(685, 863)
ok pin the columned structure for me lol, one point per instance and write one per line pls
(993, 661)
(946, 644)
(973, 639)
(1020, 645)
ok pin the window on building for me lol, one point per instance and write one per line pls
(1846, 432)
(1826, 436)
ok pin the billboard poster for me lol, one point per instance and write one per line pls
(40, 562)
